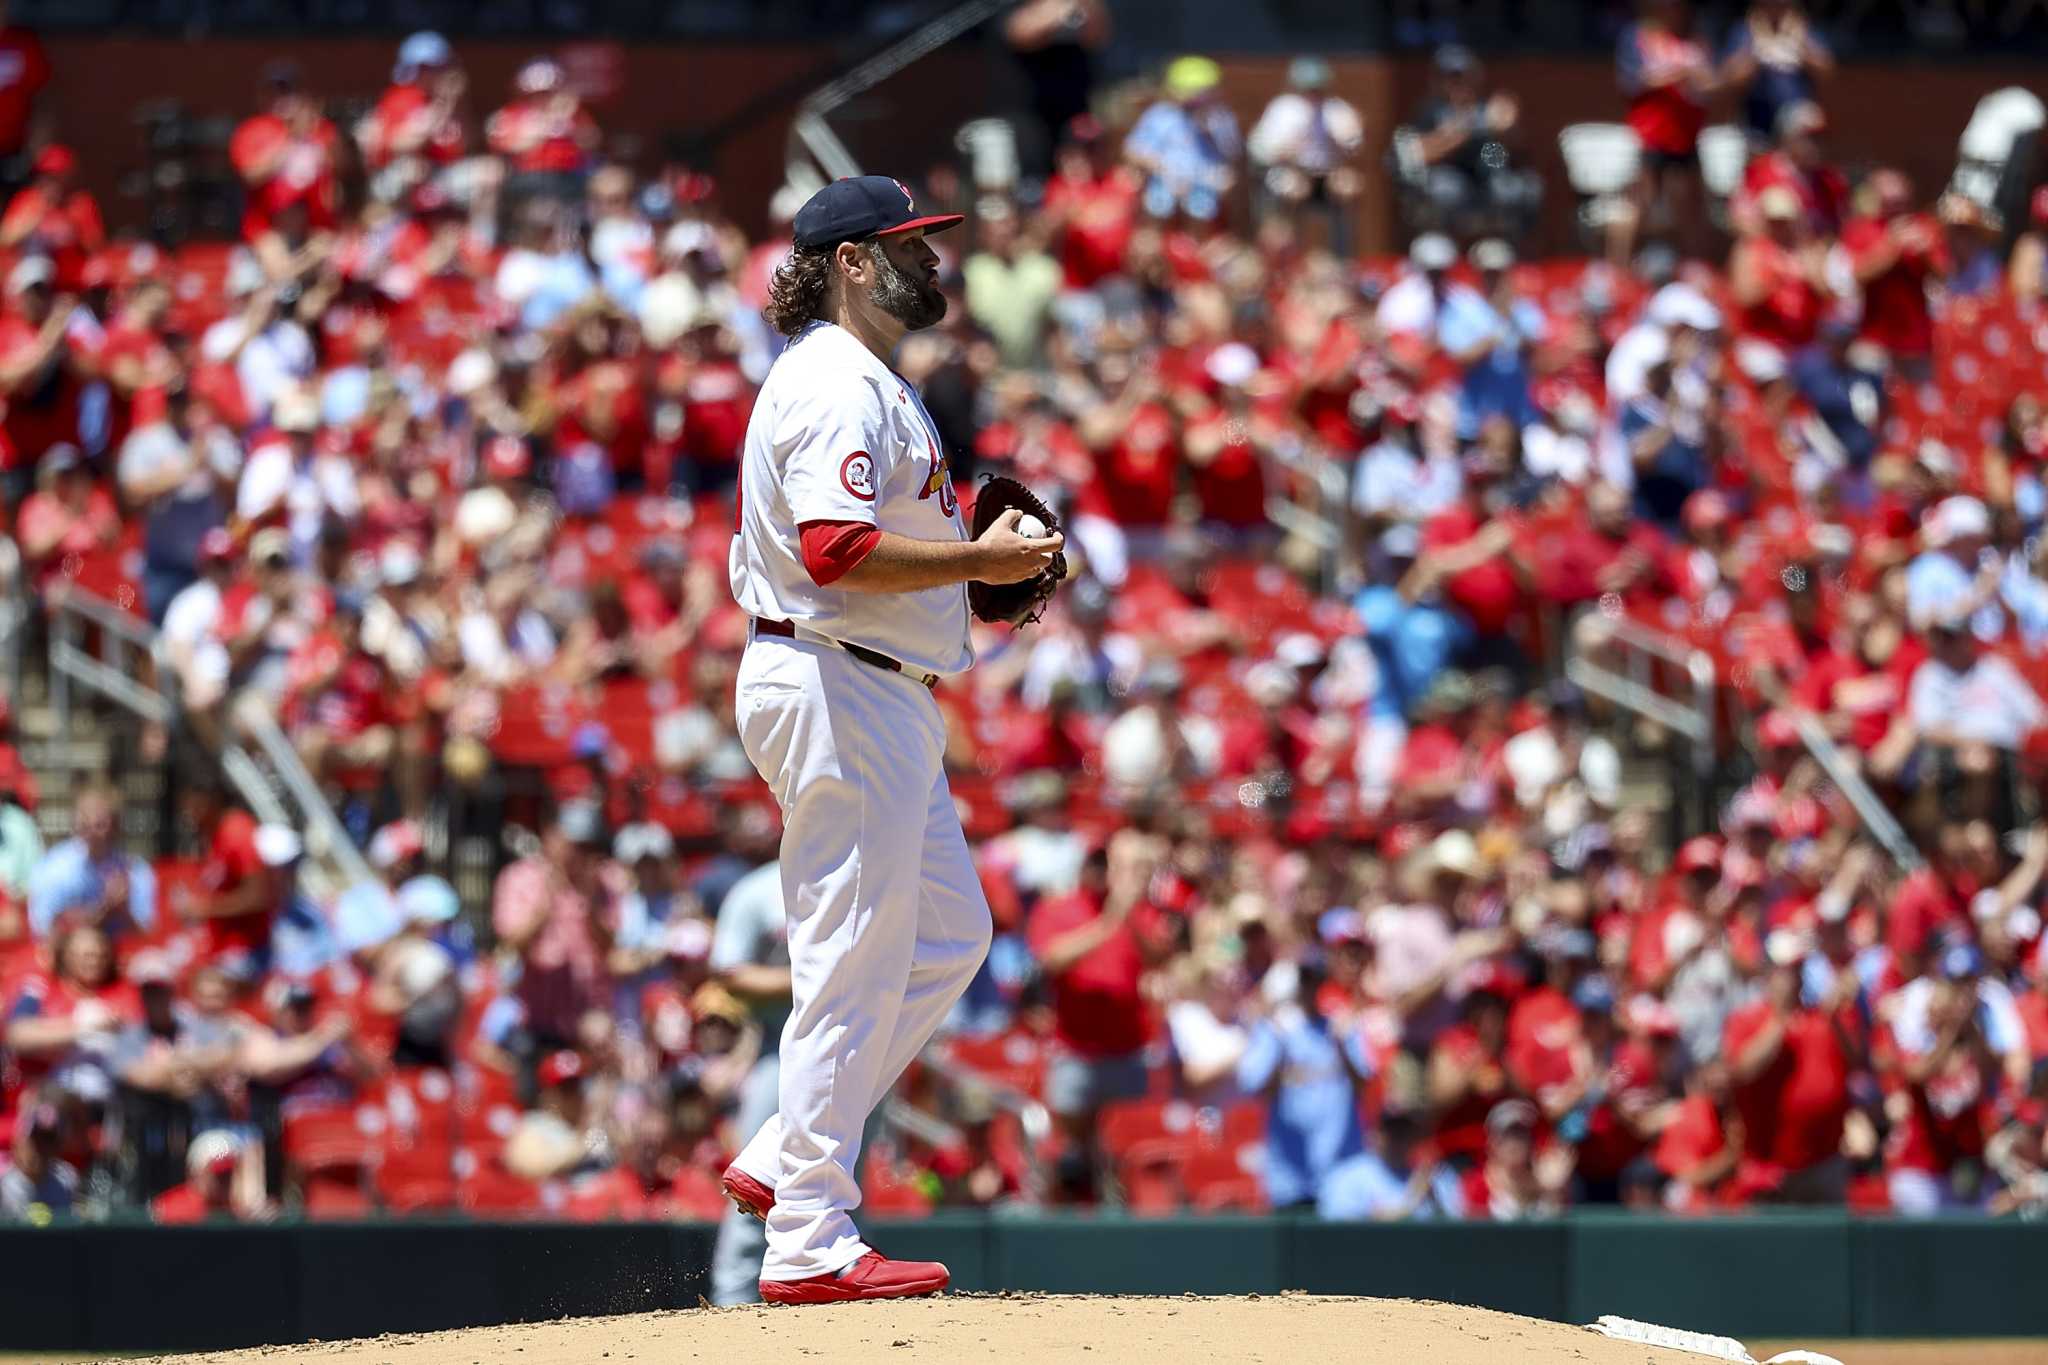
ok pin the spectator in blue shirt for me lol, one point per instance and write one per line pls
(1489, 332)
(90, 877)
(1412, 634)
(1187, 144)
(1309, 1078)
(1670, 461)
(1847, 398)
(1775, 56)
(1387, 1183)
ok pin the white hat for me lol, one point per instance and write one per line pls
(1299, 649)
(1958, 517)
(1681, 305)
(29, 272)
(1432, 251)
(278, 846)
(1233, 364)
(399, 564)
(687, 236)
(210, 1147)
(428, 899)
(296, 410)
(1492, 254)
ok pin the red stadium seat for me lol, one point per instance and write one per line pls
(333, 1139)
(1015, 1059)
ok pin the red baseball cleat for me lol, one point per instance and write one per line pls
(873, 1276)
(748, 1195)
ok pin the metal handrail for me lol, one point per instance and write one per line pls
(809, 126)
(1882, 824)
(1032, 1116)
(1691, 718)
(71, 608)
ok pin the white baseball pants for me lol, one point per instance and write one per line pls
(887, 920)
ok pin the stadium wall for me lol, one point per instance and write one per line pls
(130, 1288)
(1905, 113)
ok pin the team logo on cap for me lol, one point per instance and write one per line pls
(857, 473)
(908, 202)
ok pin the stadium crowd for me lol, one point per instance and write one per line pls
(1313, 885)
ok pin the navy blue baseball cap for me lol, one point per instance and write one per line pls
(861, 206)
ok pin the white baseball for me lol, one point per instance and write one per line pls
(1030, 527)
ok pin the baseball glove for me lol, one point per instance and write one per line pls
(1023, 602)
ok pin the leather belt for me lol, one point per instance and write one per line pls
(787, 630)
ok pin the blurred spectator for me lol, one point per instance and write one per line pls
(51, 216)
(750, 957)
(1055, 42)
(38, 1184)
(1187, 144)
(1094, 946)
(1011, 284)
(1395, 1180)
(42, 372)
(1310, 1077)
(557, 908)
(1302, 146)
(89, 878)
(1518, 1179)
(286, 159)
(1797, 162)
(545, 134)
(215, 1184)
(68, 517)
(1470, 178)
(1776, 59)
(1667, 77)
(237, 897)
(1895, 254)
(26, 71)
(1791, 1069)
(2027, 272)
(1091, 204)
(21, 841)
(178, 473)
(419, 117)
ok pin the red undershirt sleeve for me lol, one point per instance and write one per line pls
(833, 548)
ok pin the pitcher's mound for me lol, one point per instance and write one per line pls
(1017, 1329)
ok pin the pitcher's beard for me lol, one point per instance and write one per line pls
(913, 302)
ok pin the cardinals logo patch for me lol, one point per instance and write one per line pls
(939, 481)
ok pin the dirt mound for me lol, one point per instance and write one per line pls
(1297, 1329)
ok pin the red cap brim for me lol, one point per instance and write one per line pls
(936, 222)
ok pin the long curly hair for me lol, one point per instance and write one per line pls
(796, 296)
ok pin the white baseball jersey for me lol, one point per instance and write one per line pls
(837, 435)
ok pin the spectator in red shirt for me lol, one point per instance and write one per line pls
(53, 217)
(1779, 276)
(41, 373)
(1700, 1144)
(419, 114)
(1136, 445)
(339, 700)
(285, 157)
(545, 132)
(216, 1187)
(1791, 1065)
(1093, 948)
(73, 1012)
(68, 516)
(24, 71)
(1798, 163)
(1668, 77)
(236, 896)
(1895, 254)
(1091, 205)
